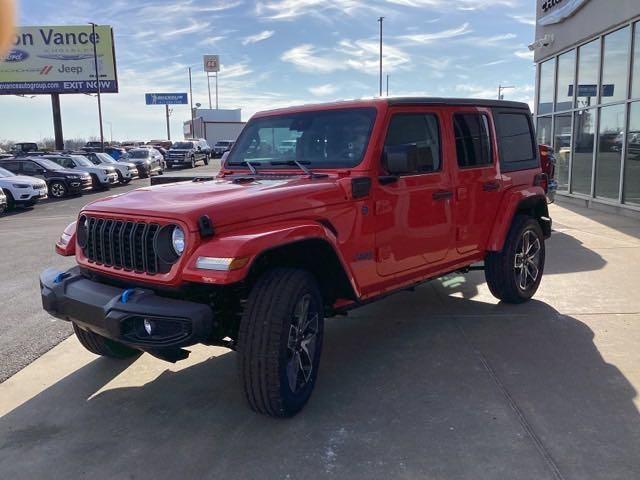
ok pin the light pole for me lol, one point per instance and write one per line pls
(193, 120)
(380, 20)
(95, 63)
(500, 90)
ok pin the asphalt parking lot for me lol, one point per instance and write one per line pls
(440, 383)
(27, 237)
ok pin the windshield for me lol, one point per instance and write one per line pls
(324, 139)
(6, 173)
(105, 158)
(46, 163)
(139, 153)
(182, 145)
(83, 161)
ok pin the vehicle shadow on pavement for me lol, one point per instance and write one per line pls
(421, 385)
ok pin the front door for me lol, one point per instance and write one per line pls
(478, 184)
(414, 213)
(32, 169)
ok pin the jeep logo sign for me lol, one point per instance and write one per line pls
(556, 11)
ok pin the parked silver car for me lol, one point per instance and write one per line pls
(126, 171)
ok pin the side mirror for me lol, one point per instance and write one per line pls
(400, 159)
(72, 165)
(42, 171)
(199, 148)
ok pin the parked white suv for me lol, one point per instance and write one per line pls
(126, 171)
(102, 176)
(21, 190)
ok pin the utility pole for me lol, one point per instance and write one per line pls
(500, 90)
(193, 120)
(216, 90)
(95, 63)
(380, 20)
(387, 85)
(209, 88)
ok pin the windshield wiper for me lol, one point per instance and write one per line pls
(248, 163)
(299, 164)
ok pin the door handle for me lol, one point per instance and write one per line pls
(491, 186)
(442, 195)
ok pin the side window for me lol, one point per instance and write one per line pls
(13, 167)
(421, 131)
(30, 168)
(515, 140)
(473, 141)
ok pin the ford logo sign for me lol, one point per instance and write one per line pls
(15, 56)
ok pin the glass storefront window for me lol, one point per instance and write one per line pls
(566, 74)
(547, 76)
(632, 163)
(583, 144)
(562, 147)
(615, 72)
(635, 88)
(609, 158)
(588, 74)
(543, 130)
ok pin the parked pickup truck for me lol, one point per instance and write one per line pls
(377, 196)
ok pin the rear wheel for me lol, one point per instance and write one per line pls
(58, 189)
(103, 346)
(514, 274)
(280, 342)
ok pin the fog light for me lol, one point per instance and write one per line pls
(148, 326)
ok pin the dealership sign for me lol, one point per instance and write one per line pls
(166, 98)
(46, 60)
(556, 11)
(211, 63)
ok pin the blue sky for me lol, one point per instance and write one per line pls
(282, 52)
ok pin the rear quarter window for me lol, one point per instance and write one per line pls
(516, 141)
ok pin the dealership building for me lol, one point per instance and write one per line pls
(587, 102)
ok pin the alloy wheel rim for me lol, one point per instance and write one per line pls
(302, 344)
(57, 190)
(527, 260)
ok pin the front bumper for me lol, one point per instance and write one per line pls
(120, 316)
(79, 185)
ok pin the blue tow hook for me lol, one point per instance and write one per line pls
(124, 298)
(60, 277)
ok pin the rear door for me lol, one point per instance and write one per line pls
(478, 182)
(414, 212)
(32, 169)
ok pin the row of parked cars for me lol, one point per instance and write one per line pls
(30, 175)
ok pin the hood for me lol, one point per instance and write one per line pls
(23, 179)
(223, 200)
(180, 150)
(67, 171)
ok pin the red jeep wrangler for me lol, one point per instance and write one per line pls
(317, 210)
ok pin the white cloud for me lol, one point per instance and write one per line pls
(360, 55)
(525, 19)
(524, 54)
(426, 38)
(194, 27)
(235, 70)
(258, 37)
(323, 90)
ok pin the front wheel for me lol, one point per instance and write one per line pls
(58, 189)
(193, 162)
(514, 274)
(103, 346)
(280, 341)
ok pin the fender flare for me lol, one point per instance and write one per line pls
(512, 201)
(252, 242)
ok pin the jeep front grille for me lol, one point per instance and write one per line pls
(123, 244)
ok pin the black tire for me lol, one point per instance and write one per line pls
(103, 346)
(11, 203)
(502, 272)
(193, 162)
(206, 159)
(267, 353)
(58, 189)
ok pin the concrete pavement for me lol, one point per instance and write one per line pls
(441, 383)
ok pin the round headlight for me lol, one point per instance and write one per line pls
(177, 239)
